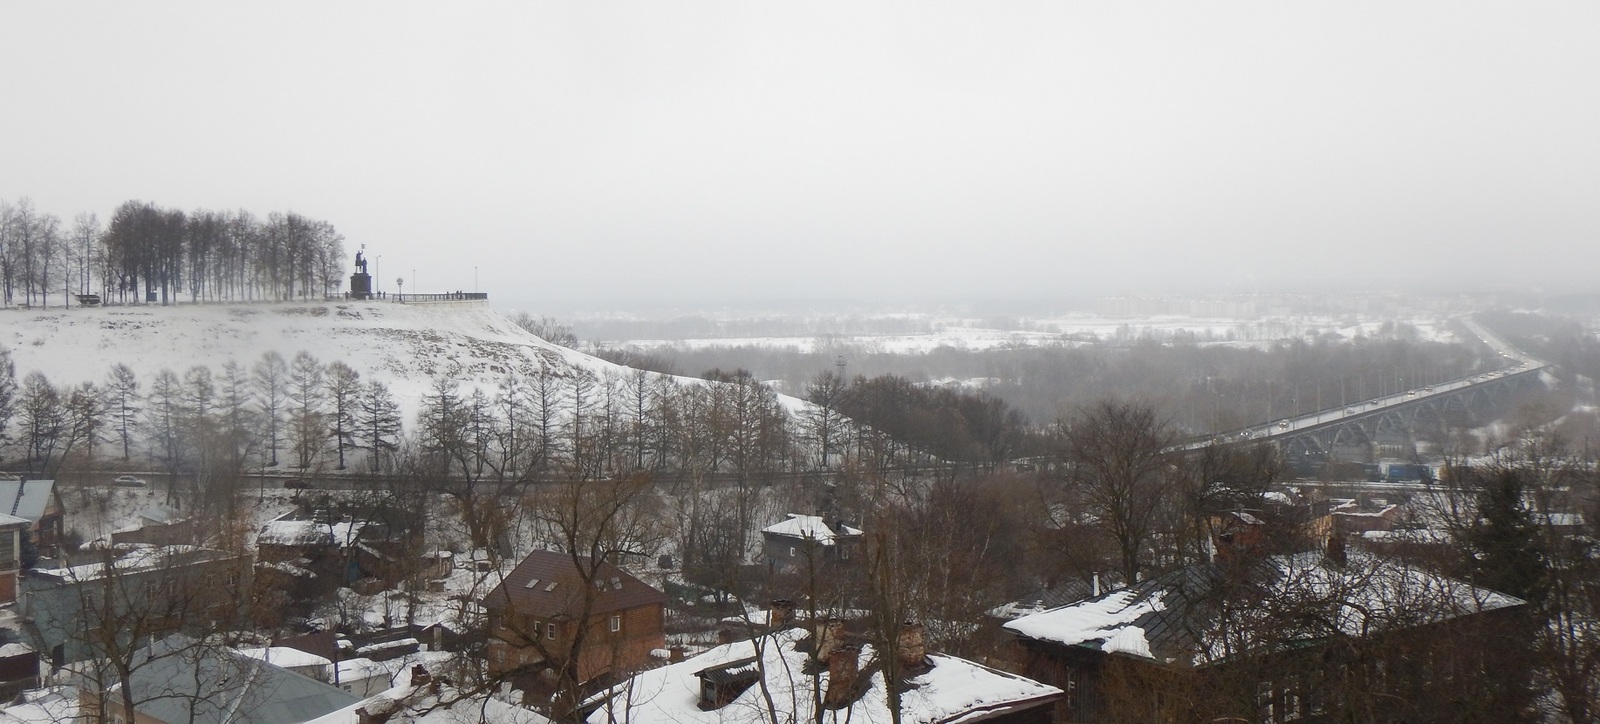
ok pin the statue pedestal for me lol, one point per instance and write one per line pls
(361, 285)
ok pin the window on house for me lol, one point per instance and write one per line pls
(616, 624)
(549, 630)
(1292, 706)
(1267, 699)
(8, 548)
(791, 551)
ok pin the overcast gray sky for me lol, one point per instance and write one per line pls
(606, 153)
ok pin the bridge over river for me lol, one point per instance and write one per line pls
(1393, 417)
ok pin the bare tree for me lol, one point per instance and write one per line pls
(1116, 460)
(85, 410)
(43, 422)
(595, 522)
(165, 417)
(8, 392)
(122, 387)
(271, 378)
(107, 614)
(546, 328)
(822, 421)
(307, 420)
(344, 391)
(378, 428)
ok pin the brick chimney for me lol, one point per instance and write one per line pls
(843, 665)
(781, 613)
(830, 636)
(910, 649)
(420, 676)
(1335, 551)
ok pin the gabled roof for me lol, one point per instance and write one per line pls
(224, 685)
(546, 583)
(26, 498)
(1207, 613)
(812, 528)
(949, 690)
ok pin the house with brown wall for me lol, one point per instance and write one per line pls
(39, 503)
(541, 606)
(1304, 637)
(12, 529)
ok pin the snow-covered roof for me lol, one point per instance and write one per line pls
(947, 691)
(138, 557)
(1098, 619)
(361, 668)
(1384, 512)
(26, 499)
(177, 673)
(14, 649)
(1419, 535)
(161, 514)
(426, 704)
(1175, 618)
(1045, 599)
(1563, 520)
(287, 532)
(43, 706)
(288, 658)
(810, 527)
(6, 520)
(287, 568)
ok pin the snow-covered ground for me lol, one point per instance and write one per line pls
(406, 346)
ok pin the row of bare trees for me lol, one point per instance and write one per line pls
(147, 253)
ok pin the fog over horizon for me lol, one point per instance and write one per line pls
(565, 155)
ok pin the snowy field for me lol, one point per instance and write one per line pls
(972, 334)
(406, 346)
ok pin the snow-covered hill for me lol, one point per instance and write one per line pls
(403, 345)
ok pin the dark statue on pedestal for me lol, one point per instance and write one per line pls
(361, 281)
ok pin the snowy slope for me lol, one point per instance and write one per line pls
(402, 345)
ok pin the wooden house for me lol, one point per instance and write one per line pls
(39, 503)
(538, 610)
(1298, 637)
